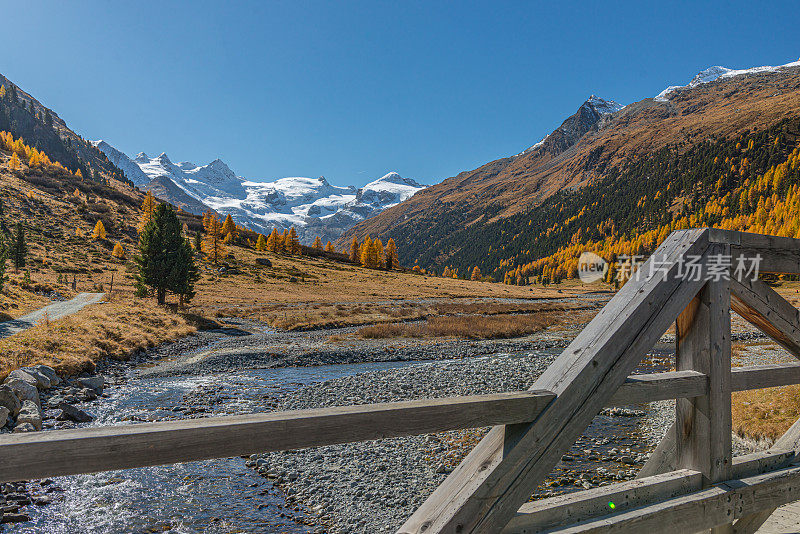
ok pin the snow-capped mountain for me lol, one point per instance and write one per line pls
(312, 205)
(713, 73)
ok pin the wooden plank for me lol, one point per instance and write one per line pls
(65, 452)
(708, 508)
(778, 254)
(638, 389)
(500, 473)
(760, 305)
(765, 376)
(704, 423)
(563, 510)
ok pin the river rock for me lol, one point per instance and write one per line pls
(9, 400)
(24, 390)
(49, 372)
(30, 413)
(71, 413)
(95, 383)
(24, 427)
(25, 376)
(3, 416)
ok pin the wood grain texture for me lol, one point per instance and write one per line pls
(64, 452)
(763, 307)
(487, 488)
(564, 510)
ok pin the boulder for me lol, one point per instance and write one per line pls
(71, 413)
(24, 390)
(3, 416)
(42, 380)
(9, 400)
(49, 372)
(264, 261)
(24, 427)
(30, 413)
(95, 383)
(25, 376)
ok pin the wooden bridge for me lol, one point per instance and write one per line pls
(691, 483)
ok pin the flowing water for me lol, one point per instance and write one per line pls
(221, 495)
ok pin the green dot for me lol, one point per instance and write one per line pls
(611, 505)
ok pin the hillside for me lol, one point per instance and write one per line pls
(501, 215)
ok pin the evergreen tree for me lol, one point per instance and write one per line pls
(165, 259)
(354, 250)
(3, 258)
(317, 243)
(261, 243)
(148, 208)
(198, 241)
(19, 248)
(99, 230)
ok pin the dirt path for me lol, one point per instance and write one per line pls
(57, 310)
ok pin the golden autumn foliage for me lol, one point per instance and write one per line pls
(329, 247)
(317, 243)
(213, 246)
(118, 251)
(148, 207)
(99, 231)
(261, 243)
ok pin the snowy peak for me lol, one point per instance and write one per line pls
(312, 205)
(716, 72)
(602, 107)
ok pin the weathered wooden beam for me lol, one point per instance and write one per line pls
(638, 389)
(764, 376)
(712, 507)
(703, 344)
(763, 307)
(778, 254)
(500, 473)
(65, 452)
(563, 510)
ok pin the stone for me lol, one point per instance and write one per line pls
(42, 380)
(25, 376)
(24, 390)
(4, 412)
(49, 372)
(264, 261)
(24, 427)
(30, 413)
(15, 518)
(95, 383)
(87, 394)
(10, 400)
(71, 413)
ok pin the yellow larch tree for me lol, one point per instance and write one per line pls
(148, 207)
(476, 274)
(213, 246)
(329, 247)
(317, 243)
(272, 241)
(118, 251)
(99, 231)
(354, 250)
(261, 243)
(392, 259)
(293, 244)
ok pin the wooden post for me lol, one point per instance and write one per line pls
(111, 286)
(703, 424)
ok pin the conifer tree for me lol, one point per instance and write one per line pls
(213, 246)
(272, 241)
(379, 254)
(99, 231)
(15, 163)
(354, 250)
(148, 208)
(317, 243)
(19, 248)
(229, 227)
(329, 247)
(78, 174)
(2, 91)
(364, 252)
(118, 251)
(165, 259)
(293, 243)
(261, 243)
(198, 241)
(392, 260)
(476, 274)
(285, 246)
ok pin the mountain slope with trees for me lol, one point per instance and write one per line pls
(513, 211)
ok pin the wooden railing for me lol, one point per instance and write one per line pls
(690, 483)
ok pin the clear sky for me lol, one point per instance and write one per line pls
(352, 90)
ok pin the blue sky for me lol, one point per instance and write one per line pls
(352, 90)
